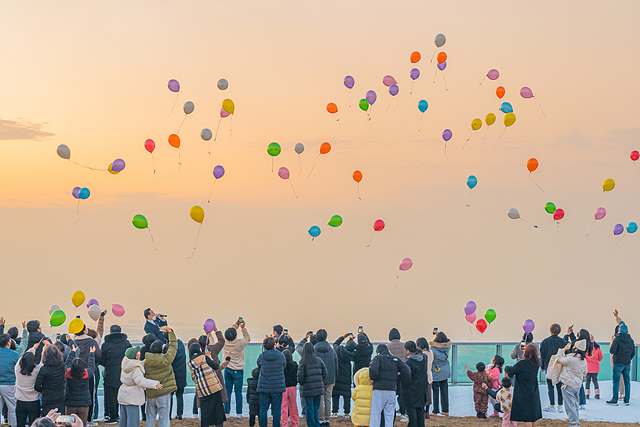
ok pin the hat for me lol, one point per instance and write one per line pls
(580, 345)
(131, 352)
(115, 329)
(624, 329)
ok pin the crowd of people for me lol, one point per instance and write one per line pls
(44, 380)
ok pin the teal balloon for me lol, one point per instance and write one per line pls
(632, 227)
(84, 193)
(506, 107)
(472, 181)
(314, 231)
(423, 105)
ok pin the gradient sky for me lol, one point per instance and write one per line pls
(94, 75)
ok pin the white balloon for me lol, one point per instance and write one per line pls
(64, 151)
(440, 40)
(94, 312)
(188, 107)
(223, 84)
(53, 308)
(206, 134)
(299, 148)
(513, 213)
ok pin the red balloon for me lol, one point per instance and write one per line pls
(481, 325)
(635, 155)
(378, 225)
(149, 145)
(558, 214)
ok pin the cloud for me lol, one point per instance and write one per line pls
(22, 131)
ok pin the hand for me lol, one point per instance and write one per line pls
(74, 348)
(159, 386)
(104, 313)
(92, 349)
(164, 329)
(53, 415)
(24, 325)
(168, 329)
(2, 321)
(615, 312)
(77, 421)
(484, 386)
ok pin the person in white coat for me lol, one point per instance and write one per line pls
(574, 368)
(131, 393)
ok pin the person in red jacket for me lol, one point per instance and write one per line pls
(593, 368)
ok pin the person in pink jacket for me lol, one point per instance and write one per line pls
(593, 368)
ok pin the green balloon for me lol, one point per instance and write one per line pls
(274, 149)
(364, 104)
(140, 221)
(550, 207)
(57, 318)
(490, 315)
(335, 221)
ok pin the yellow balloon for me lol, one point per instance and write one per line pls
(228, 106)
(476, 124)
(608, 184)
(78, 298)
(76, 326)
(197, 214)
(490, 119)
(509, 119)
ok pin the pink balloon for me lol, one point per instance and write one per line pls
(406, 264)
(493, 74)
(526, 92)
(600, 213)
(149, 145)
(209, 326)
(283, 173)
(117, 310)
(388, 81)
(223, 113)
(470, 317)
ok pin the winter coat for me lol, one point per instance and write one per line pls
(271, 379)
(429, 355)
(593, 361)
(548, 347)
(396, 348)
(526, 395)
(573, 370)
(623, 349)
(346, 354)
(362, 398)
(518, 353)
(131, 392)
(215, 350)
(440, 368)
(152, 327)
(289, 345)
(84, 343)
(8, 360)
(415, 391)
(77, 391)
(291, 374)
(113, 350)
(363, 352)
(179, 365)
(204, 377)
(235, 350)
(494, 377)
(312, 377)
(384, 372)
(50, 383)
(158, 367)
(252, 393)
(479, 378)
(328, 355)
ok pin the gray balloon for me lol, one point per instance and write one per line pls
(299, 148)
(440, 40)
(206, 134)
(513, 213)
(64, 151)
(188, 107)
(223, 84)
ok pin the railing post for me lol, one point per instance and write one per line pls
(454, 362)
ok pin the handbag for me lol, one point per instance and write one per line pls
(554, 369)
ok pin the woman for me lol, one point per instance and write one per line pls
(423, 345)
(208, 386)
(79, 393)
(131, 392)
(526, 406)
(574, 368)
(362, 352)
(311, 376)
(415, 391)
(50, 380)
(441, 371)
(27, 398)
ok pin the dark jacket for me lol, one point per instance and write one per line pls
(271, 364)
(288, 343)
(415, 390)
(328, 355)
(151, 327)
(179, 365)
(345, 354)
(77, 392)
(363, 352)
(548, 347)
(623, 349)
(291, 374)
(112, 354)
(526, 395)
(312, 377)
(252, 392)
(50, 382)
(385, 370)
(84, 343)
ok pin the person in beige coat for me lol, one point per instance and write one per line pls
(131, 392)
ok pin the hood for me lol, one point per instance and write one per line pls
(624, 338)
(115, 337)
(197, 361)
(362, 377)
(271, 355)
(323, 347)
(34, 338)
(362, 339)
(418, 357)
(440, 345)
(82, 337)
(130, 365)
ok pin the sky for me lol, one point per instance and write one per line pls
(94, 77)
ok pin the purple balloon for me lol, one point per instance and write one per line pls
(218, 172)
(394, 89)
(470, 307)
(117, 165)
(493, 74)
(349, 82)
(76, 192)
(447, 135)
(174, 85)
(528, 326)
(442, 66)
(388, 81)
(618, 229)
(92, 301)
(209, 326)
(371, 97)
(414, 73)
(526, 92)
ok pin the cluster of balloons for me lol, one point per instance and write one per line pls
(116, 166)
(552, 209)
(80, 193)
(57, 316)
(471, 317)
(618, 229)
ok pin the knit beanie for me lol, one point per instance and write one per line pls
(131, 352)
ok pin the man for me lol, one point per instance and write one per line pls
(548, 348)
(328, 355)
(8, 360)
(623, 349)
(283, 340)
(153, 324)
(396, 348)
(385, 371)
(113, 349)
(158, 367)
(179, 367)
(271, 382)
(234, 372)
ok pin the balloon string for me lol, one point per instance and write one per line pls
(217, 129)
(535, 183)
(446, 86)
(314, 166)
(371, 237)
(293, 189)
(271, 164)
(78, 210)
(88, 167)
(175, 101)
(195, 243)
(153, 164)
(181, 123)
(179, 159)
(153, 241)
(300, 164)
(358, 191)
(540, 107)
(211, 191)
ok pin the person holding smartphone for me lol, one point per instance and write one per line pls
(234, 354)
(363, 351)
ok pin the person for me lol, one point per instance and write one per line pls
(8, 360)
(396, 348)
(179, 367)
(85, 343)
(518, 350)
(415, 390)
(616, 331)
(34, 337)
(574, 368)
(548, 348)
(327, 354)
(289, 397)
(208, 386)
(271, 383)
(158, 367)
(133, 384)
(27, 398)
(494, 370)
(252, 396)
(215, 348)
(481, 382)
(152, 325)
(363, 351)
(593, 368)
(384, 372)
(526, 406)
(50, 380)
(441, 371)
(282, 339)
(234, 372)
(423, 345)
(113, 349)
(623, 350)
(312, 374)
(50, 420)
(346, 353)
(504, 398)
(78, 390)
(362, 397)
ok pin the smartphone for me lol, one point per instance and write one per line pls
(435, 331)
(228, 358)
(360, 329)
(66, 420)
(522, 345)
(285, 332)
(241, 320)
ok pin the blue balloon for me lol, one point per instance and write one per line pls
(472, 181)
(423, 105)
(632, 227)
(314, 231)
(84, 193)
(506, 107)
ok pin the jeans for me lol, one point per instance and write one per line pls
(289, 408)
(27, 412)
(325, 403)
(552, 400)
(179, 393)
(273, 400)
(312, 408)
(440, 390)
(582, 396)
(8, 399)
(159, 406)
(233, 380)
(382, 401)
(346, 404)
(621, 369)
(129, 416)
(111, 402)
(570, 396)
(416, 416)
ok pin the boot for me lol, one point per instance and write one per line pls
(597, 392)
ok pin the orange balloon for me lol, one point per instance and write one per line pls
(325, 147)
(442, 57)
(332, 108)
(500, 92)
(532, 164)
(357, 176)
(415, 57)
(174, 140)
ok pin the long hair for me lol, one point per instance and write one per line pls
(78, 368)
(27, 363)
(531, 353)
(52, 356)
(583, 334)
(441, 337)
(499, 362)
(308, 353)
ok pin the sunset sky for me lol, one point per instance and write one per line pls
(93, 75)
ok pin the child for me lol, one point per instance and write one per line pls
(504, 398)
(78, 392)
(593, 368)
(362, 397)
(480, 382)
(289, 408)
(494, 371)
(252, 396)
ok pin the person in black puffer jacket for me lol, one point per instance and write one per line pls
(113, 349)
(50, 380)
(548, 347)
(622, 349)
(415, 391)
(311, 376)
(179, 366)
(327, 354)
(78, 391)
(363, 352)
(252, 396)
(346, 354)
(289, 398)
(384, 372)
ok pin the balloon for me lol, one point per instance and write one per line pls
(532, 164)
(442, 66)
(472, 181)
(447, 135)
(76, 192)
(206, 134)
(371, 97)
(442, 57)
(558, 214)
(506, 107)
(608, 184)
(388, 80)
(632, 227)
(406, 264)
(174, 140)
(218, 171)
(325, 147)
(76, 326)
(63, 151)
(117, 310)
(335, 221)
(394, 89)
(57, 318)
(223, 84)
(78, 298)
(274, 149)
(378, 225)
(110, 169)
(332, 108)
(490, 315)
(363, 104)
(140, 222)
(283, 173)
(470, 307)
(550, 207)
(94, 312)
(470, 317)
(357, 176)
(423, 105)
(618, 229)
(509, 119)
(513, 213)
(349, 82)
(440, 40)
(415, 57)
(600, 213)
(493, 74)
(53, 308)
(490, 119)
(481, 325)
(299, 148)
(84, 193)
(314, 231)
(174, 85)
(228, 106)
(635, 155)
(223, 113)
(208, 326)
(92, 301)
(188, 107)
(526, 92)
(528, 326)
(117, 165)
(476, 124)
(149, 145)
(500, 91)
(197, 214)
(414, 73)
